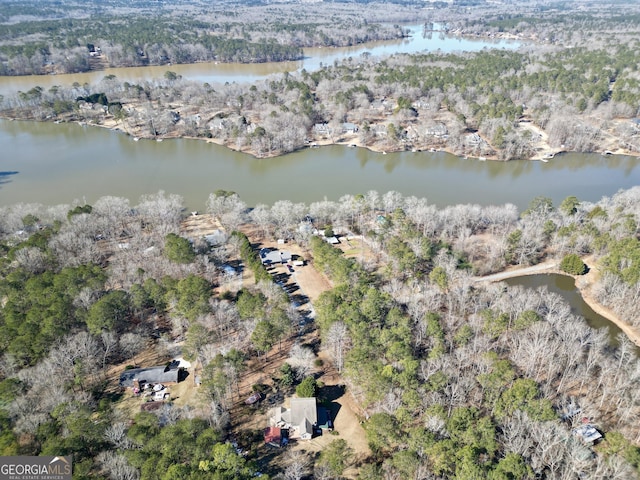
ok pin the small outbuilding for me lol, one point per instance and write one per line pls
(276, 436)
(587, 433)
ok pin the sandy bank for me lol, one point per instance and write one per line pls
(584, 285)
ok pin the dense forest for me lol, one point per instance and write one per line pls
(64, 36)
(455, 378)
(498, 103)
(578, 91)
(448, 374)
(71, 40)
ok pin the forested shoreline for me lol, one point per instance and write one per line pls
(578, 91)
(371, 303)
(457, 102)
(133, 35)
(457, 379)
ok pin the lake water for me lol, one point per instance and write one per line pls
(565, 286)
(49, 163)
(248, 73)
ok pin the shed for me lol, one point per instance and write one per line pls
(276, 436)
(587, 433)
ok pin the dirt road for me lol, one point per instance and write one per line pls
(543, 267)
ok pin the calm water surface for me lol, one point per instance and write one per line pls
(566, 286)
(49, 163)
(314, 59)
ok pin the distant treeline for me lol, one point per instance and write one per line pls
(143, 41)
(65, 45)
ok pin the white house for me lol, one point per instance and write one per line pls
(302, 417)
(348, 127)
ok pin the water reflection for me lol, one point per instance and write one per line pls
(59, 163)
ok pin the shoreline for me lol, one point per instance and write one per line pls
(350, 141)
(584, 285)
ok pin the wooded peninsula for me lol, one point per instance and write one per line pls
(573, 89)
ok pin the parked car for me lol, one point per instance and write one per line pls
(290, 268)
(255, 398)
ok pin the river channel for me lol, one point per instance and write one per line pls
(314, 59)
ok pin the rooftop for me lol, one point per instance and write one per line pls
(304, 408)
(160, 374)
(274, 256)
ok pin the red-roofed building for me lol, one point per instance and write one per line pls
(276, 436)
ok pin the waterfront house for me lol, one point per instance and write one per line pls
(348, 127)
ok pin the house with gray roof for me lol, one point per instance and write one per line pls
(161, 374)
(302, 417)
(348, 127)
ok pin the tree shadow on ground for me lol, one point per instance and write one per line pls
(331, 393)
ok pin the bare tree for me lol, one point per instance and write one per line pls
(227, 209)
(301, 359)
(131, 344)
(297, 465)
(109, 343)
(337, 343)
(161, 212)
(287, 216)
(116, 434)
(261, 215)
(116, 466)
(32, 259)
(218, 417)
